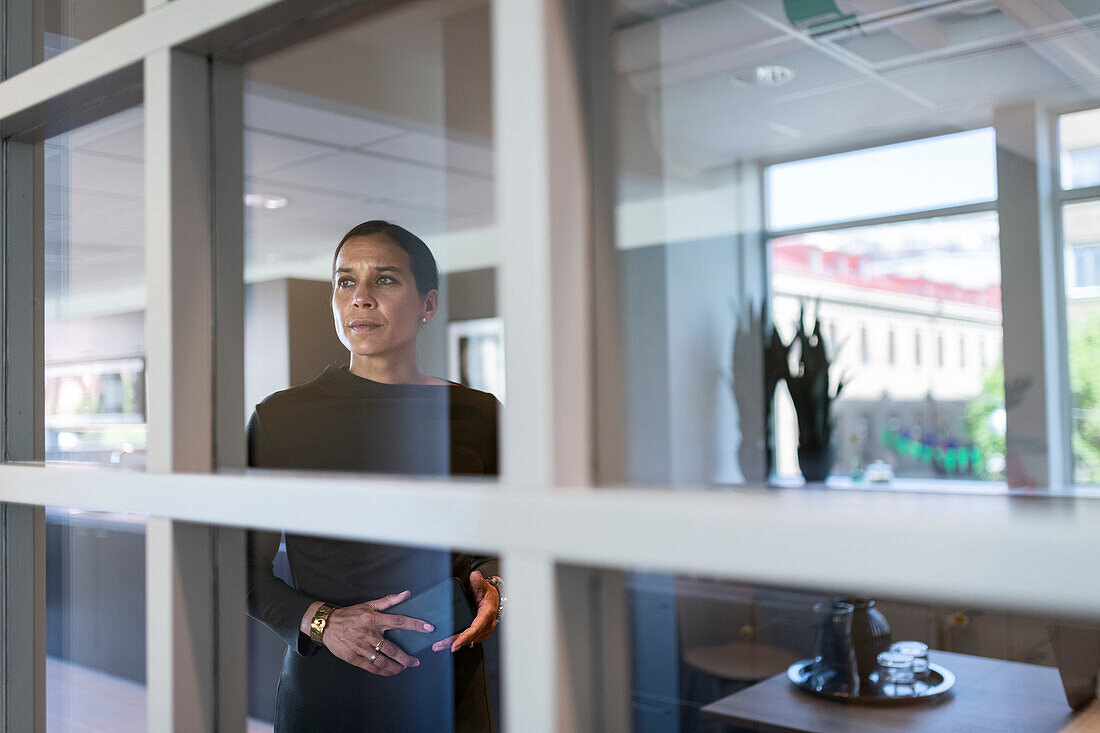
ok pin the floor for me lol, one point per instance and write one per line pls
(82, 700)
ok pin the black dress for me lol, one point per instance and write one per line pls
(343, 422)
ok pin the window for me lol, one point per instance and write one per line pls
(1081, 255)
(940, 274)
(848, 186)
(1080, 149)
(1086, 266)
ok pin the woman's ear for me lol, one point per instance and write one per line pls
(431, 304)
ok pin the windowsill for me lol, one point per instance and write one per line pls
(935, 486)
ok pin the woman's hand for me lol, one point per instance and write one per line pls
(353, 632)
(488, 603)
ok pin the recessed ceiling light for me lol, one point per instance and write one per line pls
(763, 76)
(265, 201)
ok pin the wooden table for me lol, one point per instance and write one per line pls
(989, 696)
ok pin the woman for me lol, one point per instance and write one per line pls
(378, 414)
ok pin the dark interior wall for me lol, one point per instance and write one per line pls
(644, 297)
(311, 331)
(472, 294)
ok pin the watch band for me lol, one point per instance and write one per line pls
(499, 585)
(318, 624)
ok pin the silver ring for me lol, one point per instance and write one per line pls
(374, 656)
(471, 645)
(378, 646)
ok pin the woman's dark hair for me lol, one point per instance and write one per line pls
(424, 270)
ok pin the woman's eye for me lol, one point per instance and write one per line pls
(344, 282)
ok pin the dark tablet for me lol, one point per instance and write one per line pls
(444, 606)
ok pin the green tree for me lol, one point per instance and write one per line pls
(980, 424)
(1084, 376)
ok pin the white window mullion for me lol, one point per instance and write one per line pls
(1032, 313)
(545, 295)
(189, 624)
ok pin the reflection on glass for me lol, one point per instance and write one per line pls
(95, 412)
(1079, 140)
(370, 277)
(741, 124)
(1081, 229)
(95, 621)
(707, 653)
(68, 23)
(95, 293)
(894, 287)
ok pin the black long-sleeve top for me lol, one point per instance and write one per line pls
(339, 421)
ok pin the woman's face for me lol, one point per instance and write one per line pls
(375, 305)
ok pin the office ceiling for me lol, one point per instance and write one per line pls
(912, 67)
(909, 68)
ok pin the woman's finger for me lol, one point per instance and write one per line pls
(397, 654)
(381, 604)
(444, 643)
(382, 665)
(397, 621)
(479, 630)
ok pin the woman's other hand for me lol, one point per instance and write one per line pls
(353, 633)
(488, 603)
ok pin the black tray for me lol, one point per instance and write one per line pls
(938, 681)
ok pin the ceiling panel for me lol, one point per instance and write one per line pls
(359, 175)
(439, 151)
(265, 152)
(1000, 76)
(345, 129)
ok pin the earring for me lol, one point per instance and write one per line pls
(423, 320)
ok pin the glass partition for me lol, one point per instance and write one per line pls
(841, 160)
(710, 654)
(64, 24)
(372, 340)
(95, 414)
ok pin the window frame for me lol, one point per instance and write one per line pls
(1060, 199)
(546, 518)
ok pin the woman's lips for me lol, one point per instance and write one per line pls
(360, 326)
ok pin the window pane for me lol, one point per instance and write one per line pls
(740, 124)
(64, 24)
(1081, 225)
(95, 621)
(95, 293)
(374, 359)
(926, 174)
(1079, 142)
(899, 415)
(95, 413)
(710, 654)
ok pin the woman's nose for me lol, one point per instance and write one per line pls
(363, 298)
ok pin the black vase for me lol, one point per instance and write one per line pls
(870, 636)
(816, 461)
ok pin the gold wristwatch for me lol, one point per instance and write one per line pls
(318, 624)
